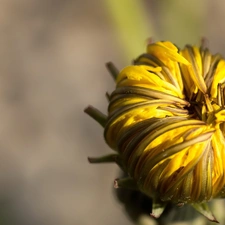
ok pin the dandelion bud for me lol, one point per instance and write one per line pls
(166, 124)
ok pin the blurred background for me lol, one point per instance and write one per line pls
(52, 57)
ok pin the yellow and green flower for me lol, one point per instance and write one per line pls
(166, 124)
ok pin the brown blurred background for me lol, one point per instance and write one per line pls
(52, 55)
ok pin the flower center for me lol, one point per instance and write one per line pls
(207, 110)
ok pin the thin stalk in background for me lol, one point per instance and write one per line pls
(131, 24)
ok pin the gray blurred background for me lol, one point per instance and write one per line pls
(52, 56)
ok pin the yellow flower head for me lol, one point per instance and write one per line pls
(166, 122)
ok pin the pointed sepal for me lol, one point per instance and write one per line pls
(103, 159)
(113, 70)
(111, 158)
(107, 95)
(96, 115)
(127, 183)
(203, 208)
(157, 208)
